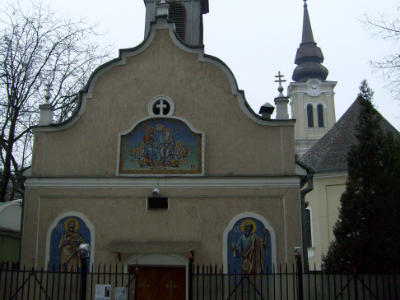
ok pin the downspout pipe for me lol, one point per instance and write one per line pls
(308, 179)
(25, 175)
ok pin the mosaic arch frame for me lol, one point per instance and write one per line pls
(57, 235)
(161, 146)
(233, 235)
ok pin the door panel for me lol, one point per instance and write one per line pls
(147, 285)
(172, 284)
(156, 283)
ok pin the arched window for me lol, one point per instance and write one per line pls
(310, 116)
(320, 111)
(177, 14)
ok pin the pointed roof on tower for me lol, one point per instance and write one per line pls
(309, 56)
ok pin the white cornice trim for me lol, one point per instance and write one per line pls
(106, 183)
(322, 83)
(331, 174)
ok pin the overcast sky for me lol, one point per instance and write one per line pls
(258, 38)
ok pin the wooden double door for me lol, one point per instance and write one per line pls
(160, 283)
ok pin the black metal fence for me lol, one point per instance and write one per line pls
(204, 282)
(31, 284)
(287, 283)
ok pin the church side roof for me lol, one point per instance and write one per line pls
(329, 154)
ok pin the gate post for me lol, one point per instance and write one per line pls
(299, 276)
(190, 277)
(83, 278)
(355, 278)
(83, 252)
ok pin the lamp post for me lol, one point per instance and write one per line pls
(297, 254)
(84, 253)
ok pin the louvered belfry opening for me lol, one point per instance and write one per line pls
(177, 14)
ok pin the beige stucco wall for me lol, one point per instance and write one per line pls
(235, 147)
(196, 215)
(324, 201)
(202, 95)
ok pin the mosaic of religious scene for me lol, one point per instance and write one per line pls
(249, 247)
(161, 146)
(66, 237)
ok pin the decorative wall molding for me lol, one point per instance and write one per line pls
(192, 182)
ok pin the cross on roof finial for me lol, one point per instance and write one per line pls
(280, 80)
(48, 90)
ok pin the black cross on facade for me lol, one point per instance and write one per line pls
(161, 107)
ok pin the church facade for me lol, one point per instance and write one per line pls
(163, 163)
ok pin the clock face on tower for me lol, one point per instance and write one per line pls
(313, 88)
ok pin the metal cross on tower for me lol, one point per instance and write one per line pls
(48, 94)
(280, 80)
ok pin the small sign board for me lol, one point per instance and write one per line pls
(103, 292)
(120, 293)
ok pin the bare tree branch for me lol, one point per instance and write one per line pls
(38, 50)
(389, 65)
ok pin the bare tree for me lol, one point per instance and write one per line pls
(41, 57)
(389, 64)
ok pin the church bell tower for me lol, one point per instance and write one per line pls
(312, 96)
(187, 15)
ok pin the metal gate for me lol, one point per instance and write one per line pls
(28, 284)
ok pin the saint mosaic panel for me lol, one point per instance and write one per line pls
(249, 247)
(161, 146)
(65, 239)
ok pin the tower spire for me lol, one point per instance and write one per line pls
(307, 36)
(309, 56)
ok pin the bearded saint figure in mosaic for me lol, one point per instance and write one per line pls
(69, 245)
(250, 248)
